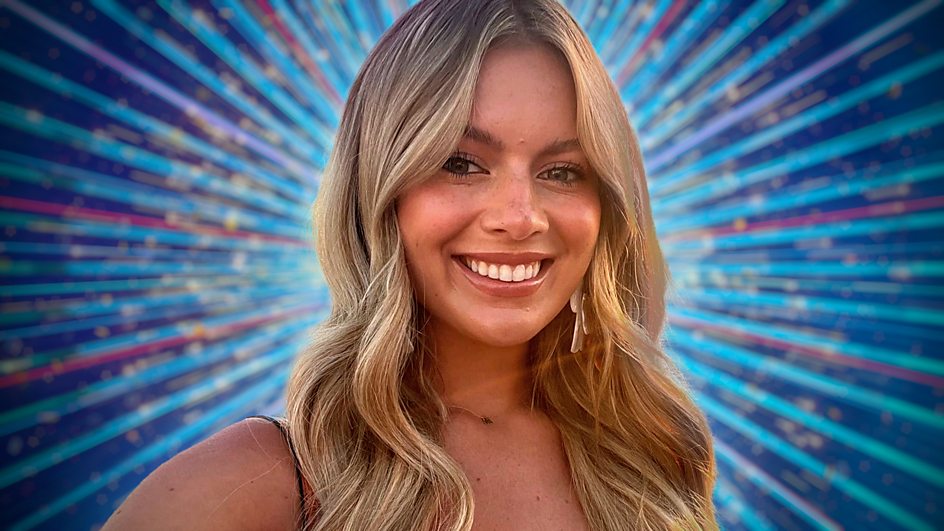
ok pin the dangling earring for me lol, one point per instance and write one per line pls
(580, 320)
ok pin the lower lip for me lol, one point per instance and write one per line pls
(498, 288)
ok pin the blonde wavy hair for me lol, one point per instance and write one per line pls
(362, 411)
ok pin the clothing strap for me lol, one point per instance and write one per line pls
(298, 472)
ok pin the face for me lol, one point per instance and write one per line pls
(517, 192)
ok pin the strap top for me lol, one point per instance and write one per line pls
(298, 472)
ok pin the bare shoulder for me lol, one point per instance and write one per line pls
(243, 477)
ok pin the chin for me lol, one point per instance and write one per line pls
(505, 334)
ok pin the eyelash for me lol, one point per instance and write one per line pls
(576, 169)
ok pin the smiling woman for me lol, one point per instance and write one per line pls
(493, 356)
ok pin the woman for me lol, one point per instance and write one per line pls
(493, 358)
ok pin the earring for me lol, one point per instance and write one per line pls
(580, 320)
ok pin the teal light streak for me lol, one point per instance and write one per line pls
(252, 73)
(835, 431)
(734, 33)
(188, 396)
(175, 136)
(289, 138)
(682, 177)
(783, 42)
(819, 342)
(832, 231)
(820, 305)
(803, 194)
(58, 406)
(275, 56)
(151, 335)
(831, 387)
(234, 406)
(137, 195)
(770, 485)
(683, 38)
(829, 474)
(835, 147)
(78, 227)
(629, 50)
(174, 171)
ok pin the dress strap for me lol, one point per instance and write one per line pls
(298, 472)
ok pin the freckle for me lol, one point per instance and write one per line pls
(172, 488)
(478, 479)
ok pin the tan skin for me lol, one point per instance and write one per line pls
(512, 199)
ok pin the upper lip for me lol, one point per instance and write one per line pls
(507, 258)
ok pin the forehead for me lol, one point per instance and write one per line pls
(524, 97)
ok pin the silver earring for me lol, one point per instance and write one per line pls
(580, 320)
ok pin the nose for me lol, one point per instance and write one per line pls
(514, 208)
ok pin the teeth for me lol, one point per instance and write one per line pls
(505, 272)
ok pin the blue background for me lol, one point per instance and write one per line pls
(158, 161)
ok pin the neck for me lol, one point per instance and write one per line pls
(485, 379)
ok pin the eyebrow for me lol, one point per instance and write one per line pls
(554, 148)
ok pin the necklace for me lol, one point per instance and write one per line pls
(485, 420)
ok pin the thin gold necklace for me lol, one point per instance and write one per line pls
(485, 420)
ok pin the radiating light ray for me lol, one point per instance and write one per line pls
(852, 438)
(677, 118)
(637, 38)
(701, 18)
(179, 139)
(819, 344)
(138, 195)
(234, 408)
(172, 307)
(814, 518)
(295, 142)
(808, 195)
(126, 346)
(58, 406)
(779, 90)
(863, 269)
(802, 240)
(733, 507)
(824, 305)
(854, 489)
(838, 146)
(251, 72)
(652, 37)
(210, 181)
(836, 287)
(310, 54)
(760, 10)
(276, 57)
(145, 413)
(677, 177)
(620, 28)
(831, 387)
(188, 105)
(835, 231)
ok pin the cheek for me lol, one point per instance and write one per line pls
(428, 219)
(580, 224)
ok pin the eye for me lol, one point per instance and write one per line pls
(461, 165)
(567, 174)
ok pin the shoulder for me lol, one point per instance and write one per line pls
(243, 477)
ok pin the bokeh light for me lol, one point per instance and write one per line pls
(159, 160)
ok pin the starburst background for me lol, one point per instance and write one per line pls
(158, 161)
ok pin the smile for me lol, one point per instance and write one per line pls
(504, 272)
(497, 287)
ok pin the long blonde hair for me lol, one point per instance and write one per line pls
(362, 412)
